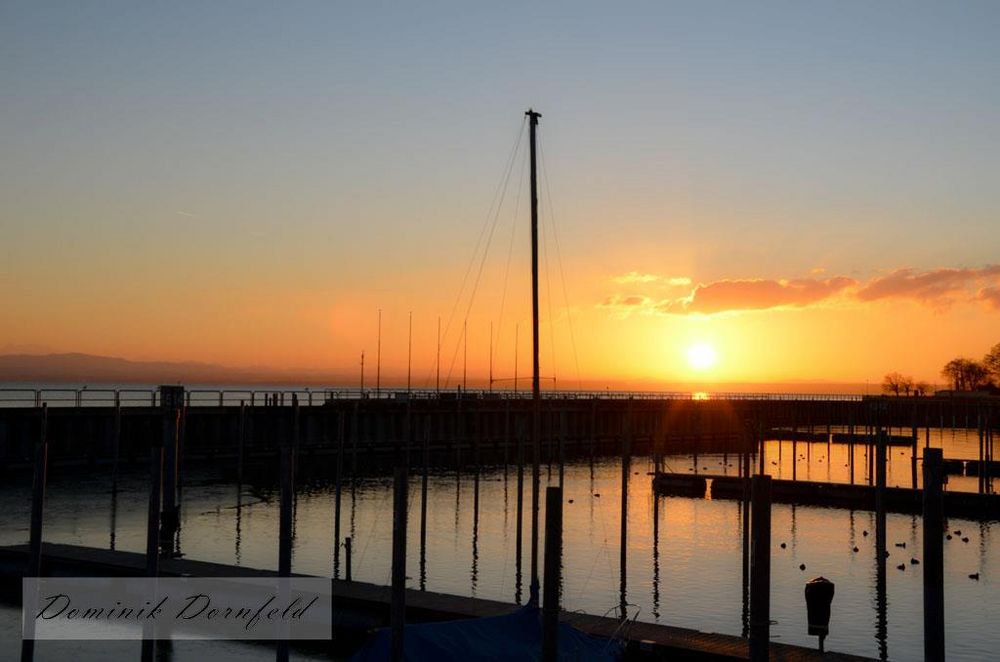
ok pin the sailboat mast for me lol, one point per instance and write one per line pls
(536, 397)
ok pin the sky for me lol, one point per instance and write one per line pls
(732, 192)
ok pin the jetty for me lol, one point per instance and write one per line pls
(360, 607)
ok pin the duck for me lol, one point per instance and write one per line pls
(901, 544)
(784, 546)
(864, 533)
(948, 536)
(901, 566)
(975, 576)
(914, 561)
(855, 549)
(965, 539)
(802, 566)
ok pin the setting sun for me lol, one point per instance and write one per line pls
(702, 356)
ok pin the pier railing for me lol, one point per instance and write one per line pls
(89, 396)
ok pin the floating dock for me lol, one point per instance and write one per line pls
(832, 495)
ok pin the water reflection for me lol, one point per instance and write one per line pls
(686, 554)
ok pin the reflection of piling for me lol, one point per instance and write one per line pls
(553, 563)
(338, 488)
(933, 561)
(623, 544)
(347, 559)
(423, 506)
(397, 611)
(519, 539)
(760, 568)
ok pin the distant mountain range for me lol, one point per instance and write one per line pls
(87, 368)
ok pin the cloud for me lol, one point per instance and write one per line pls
(635, 277)
(990, 296)
(618, 301)
(756, 294)
(938, 287)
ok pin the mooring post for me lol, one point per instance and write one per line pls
(30, 601)
(153, 536)
(347, 559)
(287, 478)
(982, 451)
(116, 439)
(913, 451)
(153, 516)
(850, 441)
(241, 441)
(745, 512)
(397, 614)
(880, 476)
(553, 579)
(760, 568)
(562, 446)
(171, 404)
(933, 561)
(38, 495)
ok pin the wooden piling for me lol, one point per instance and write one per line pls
(880, 478)
(347, 559)
(116, 440)
(397, 613)
(38, 496)
(553, 579)
(287, 479)
(933, 561)
(760, 568)
(153, 515)
(35, 531)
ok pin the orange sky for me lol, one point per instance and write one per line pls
(251, 190)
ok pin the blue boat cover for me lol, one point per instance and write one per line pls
(513, 637)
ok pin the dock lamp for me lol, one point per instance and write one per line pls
(819, 597)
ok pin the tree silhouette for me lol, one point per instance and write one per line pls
(992, 362)
(896, 383)
(965, 374)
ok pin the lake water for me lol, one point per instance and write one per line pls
(686, 570)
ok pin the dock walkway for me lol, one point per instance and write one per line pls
(363, 605)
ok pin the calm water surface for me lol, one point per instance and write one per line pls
(684, 559)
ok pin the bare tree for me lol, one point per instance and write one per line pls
(896, 383)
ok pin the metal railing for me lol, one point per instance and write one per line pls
(87, 396)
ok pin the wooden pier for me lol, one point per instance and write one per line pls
(360, 607)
